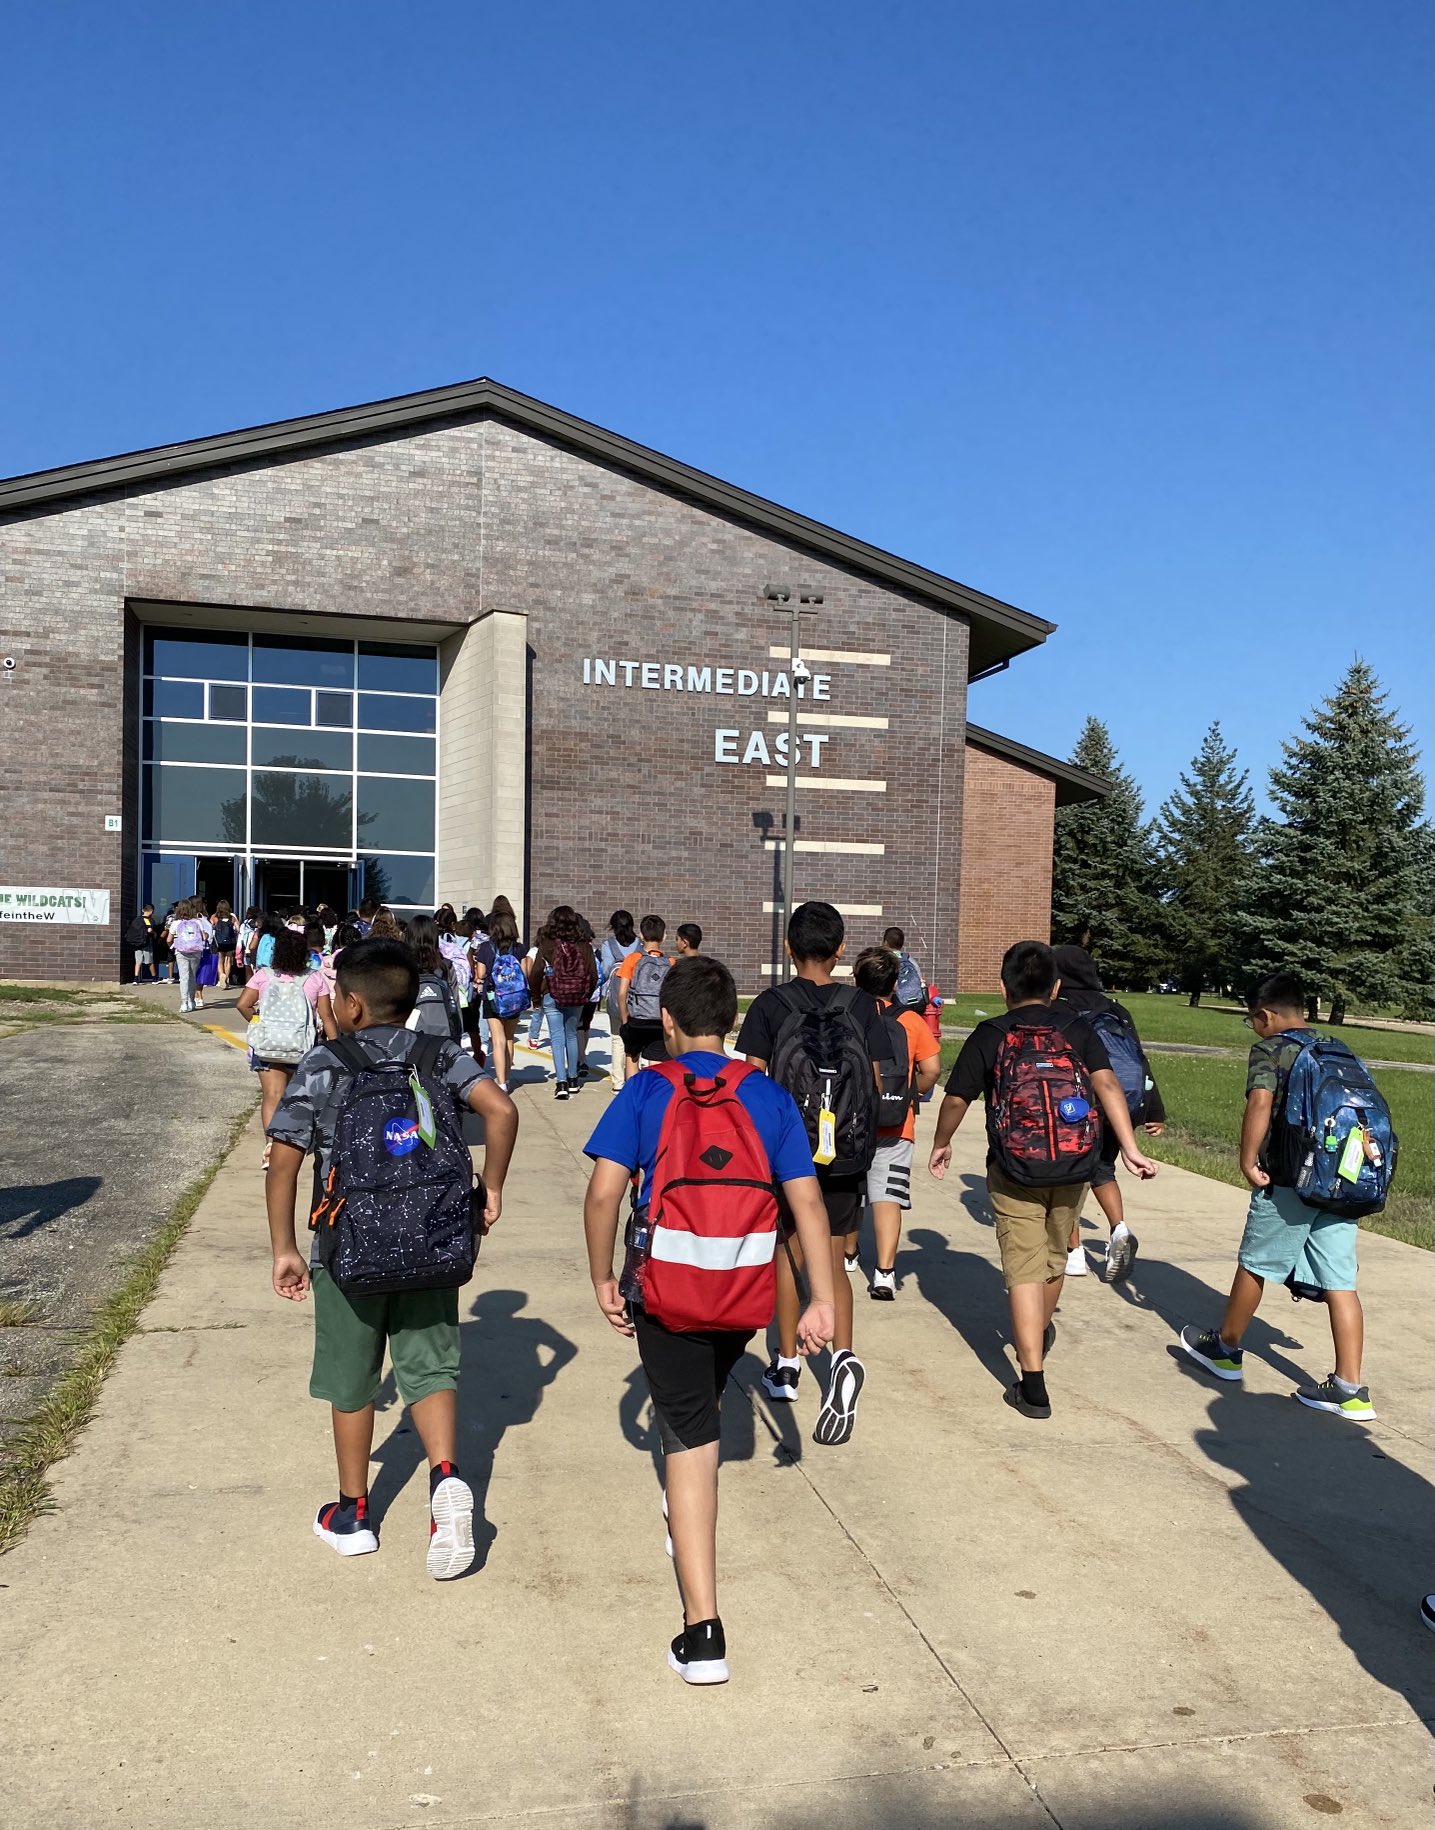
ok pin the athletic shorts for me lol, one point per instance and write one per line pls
(1033, 1226)
(641, 1039)
(890, 1177)
(686, 1376)
(844, 1198)
(1105, 1170)
(419, 1328)
(1279, 1226)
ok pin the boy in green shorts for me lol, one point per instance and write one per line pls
(376, 989)
(1281, 1229)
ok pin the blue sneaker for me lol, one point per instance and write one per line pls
(346, 1529)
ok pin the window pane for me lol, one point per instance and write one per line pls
(395, 667)
(399, 880)
(228, 702)
(216, 743)
(396, 813)
(281, 705)
(299, 661)
(302, 810)
(336, 709)
(173, 699)
(383, 712)
(397, 755)
(302, 749)
(193, 806)
(196, 655)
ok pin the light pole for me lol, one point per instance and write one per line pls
(806, 605)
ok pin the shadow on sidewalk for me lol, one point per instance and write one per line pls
(968, 1290)
(1178, 1297)
(743, 1404)
(25, 1210)
(508, 1360)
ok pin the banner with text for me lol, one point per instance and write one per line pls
(88, 908)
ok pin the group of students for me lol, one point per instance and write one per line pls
(735, 1179)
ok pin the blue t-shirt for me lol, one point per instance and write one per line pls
(627, 1133)
(264, 952)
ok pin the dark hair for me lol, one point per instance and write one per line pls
(700, 996)
(815, 931)
(502, 931)
(621, 922)
(368, 909)
(1281, 991)
(563, 923)
(1029, 970)
(423, 938)
(876, 971)
(383, 974)
(894, 937)
(291, 953)
(314, 936)
(652, 927)
(502, 906)
(347, 934)
(690, 934)
(252, 913)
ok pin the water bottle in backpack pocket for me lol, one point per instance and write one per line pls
(820, 1056)
(1332, 1139)
(283, 1030)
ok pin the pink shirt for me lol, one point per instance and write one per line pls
(315, 984)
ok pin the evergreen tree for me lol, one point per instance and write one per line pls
(1343, 893)
(1102, 869)
(1203, 839)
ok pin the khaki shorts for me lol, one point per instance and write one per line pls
(1033, 1226)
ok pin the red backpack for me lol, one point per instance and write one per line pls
(712, 1209)
(1044, 1123)
(570, 978)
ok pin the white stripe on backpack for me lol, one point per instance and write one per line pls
(733, 1253)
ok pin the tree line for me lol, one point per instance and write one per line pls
(1337, 884)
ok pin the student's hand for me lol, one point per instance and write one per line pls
(492, 1207)
(1155, 1128)
(1255, 1175)
(815, 1328)
(613, 1304)
(940, 1160)
(1139, 1165)
(291, 1276)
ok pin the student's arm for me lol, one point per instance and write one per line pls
(500, 1132)
(1107, 1089)
(606, 1188)
(929, 1072)
(1154, 1122)
(1254, 1126)
(281, 1184)
(248, 1003)
(324, 1011)
(950, 1114)
(967, 1082)
(624, 979)
(818, 1322)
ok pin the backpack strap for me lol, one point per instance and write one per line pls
(424, 1054)
(348, 1054)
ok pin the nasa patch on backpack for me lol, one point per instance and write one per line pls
(401, 1136)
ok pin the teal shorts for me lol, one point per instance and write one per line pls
(419, 1328)
(1283, 1232)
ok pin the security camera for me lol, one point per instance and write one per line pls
(800, 670)
(8, 664)
(777, 594)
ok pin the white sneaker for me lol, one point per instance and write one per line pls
(450, 1550)
(1076, 1262)
(883, 1287)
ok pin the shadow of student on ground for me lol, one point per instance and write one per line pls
(24, 1210)
(508, 1361)
(965, 1288)
(1178, 1297)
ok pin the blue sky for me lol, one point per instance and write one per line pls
(1118, 311)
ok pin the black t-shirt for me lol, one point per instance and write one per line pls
(767, 1014)
(971, 1077)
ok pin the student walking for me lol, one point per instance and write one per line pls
(592, 1001)
(723, 1135)
(911, 992)
(640, 982)
(502, 983)
(226, 940)
(286, 1005)
(1042, 1072)
(140, 937)
(384, 1285)
(826, 1044)
(190, 935)
(562, 978)
(1314, 1120)
(913, 1070)
(622, 940)
(436, 1010)
(689, 940)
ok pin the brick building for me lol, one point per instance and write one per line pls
(461, 643)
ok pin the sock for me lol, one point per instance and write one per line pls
(1226, 1346)
(1120, 1230)
(1344, 1385)
(441, 1472)
(795, 1362)
(348, 1501)
(1033, 1388)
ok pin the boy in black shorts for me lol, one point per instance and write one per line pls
(687, 1370)
(815, 940)
(640, 978)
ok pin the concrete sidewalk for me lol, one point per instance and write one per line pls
(1176, 1604)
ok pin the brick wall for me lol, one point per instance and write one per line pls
(1006, 865)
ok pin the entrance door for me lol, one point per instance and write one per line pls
(285, 883)
(331, 883)
(214, 881)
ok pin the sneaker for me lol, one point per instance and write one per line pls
(1427, 1611)
(1120, 1256)
(1012, 1396)
(1076, 1262)
(1328, 1396)
(450, 1529)
(573, 1087)
(883, 1287)
(699, 1653)
(780, 1382)
(560, 1091)
(1209, 1350)
(346, 1529)
(839, 1407)
(851, 1263)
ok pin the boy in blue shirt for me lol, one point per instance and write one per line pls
(687, 1370)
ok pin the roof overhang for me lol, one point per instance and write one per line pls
(998, 630)
(1072, 784)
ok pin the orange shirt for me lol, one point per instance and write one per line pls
(922, 1045)
(628, 965)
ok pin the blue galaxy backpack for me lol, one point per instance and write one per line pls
(1332, 1140)
(508, 982)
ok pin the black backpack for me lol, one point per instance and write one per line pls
(899, 1093)
(820, 1056)
(435, 1012)
(395, 1213)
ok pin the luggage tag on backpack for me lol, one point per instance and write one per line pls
(826, 1151)
(428, 1131)
(1352, 1158)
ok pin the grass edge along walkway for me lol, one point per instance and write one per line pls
(51, 1433)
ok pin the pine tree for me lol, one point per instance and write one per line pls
(1203, 840)
(1342, 896)
(1102, 869)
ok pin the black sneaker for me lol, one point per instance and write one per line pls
(573, 1086)
(1013, 1397)
(780, 1382)
(346, 1529)
(839, 1407)
(699, 1653)
(560, 1091)
(1207, 1349)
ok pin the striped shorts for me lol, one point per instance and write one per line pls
(890, 1177)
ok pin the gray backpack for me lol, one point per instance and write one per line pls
(284, 1030)
(645, 988)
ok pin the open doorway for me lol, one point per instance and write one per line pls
(286, 883)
